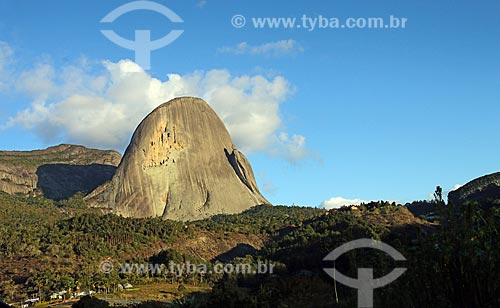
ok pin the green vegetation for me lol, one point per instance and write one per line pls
(90, 302)
(451, 264)
(48, 246)
(59, 154)
(260, 219)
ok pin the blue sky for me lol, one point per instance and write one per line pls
(364, 114)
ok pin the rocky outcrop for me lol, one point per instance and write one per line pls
(181, 164)
(485, 188)
(57, 172)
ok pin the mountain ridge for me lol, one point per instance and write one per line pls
(483, 188)
(49, 171)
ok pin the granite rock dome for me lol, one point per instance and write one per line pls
(181, 164)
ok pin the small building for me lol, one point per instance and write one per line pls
(55, 296)
(30, 302)
(128, 286)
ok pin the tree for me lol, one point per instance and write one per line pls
(4, 305)
(90, 302)
(438, 195)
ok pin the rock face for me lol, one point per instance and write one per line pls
(57, 172)
(481, 189)
(181, 164)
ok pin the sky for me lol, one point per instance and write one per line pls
(327, 115)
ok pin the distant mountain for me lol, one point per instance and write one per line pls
(57, 172)
(485, 188)
(181, 164)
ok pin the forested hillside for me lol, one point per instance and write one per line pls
(48, 246)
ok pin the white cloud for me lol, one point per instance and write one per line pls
(102, 109)
(201, 3)
(278, 48)
(37, 82)
(455, 187)
(6, 54)
(293, 148)
(266, 186)
(337, 202)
